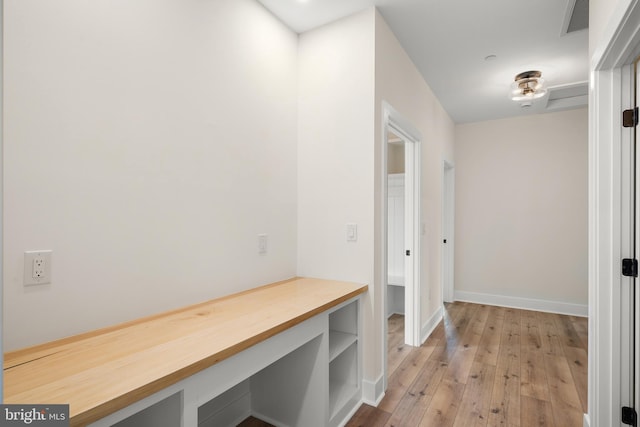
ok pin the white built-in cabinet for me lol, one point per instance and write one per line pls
(307, 376)
(395, 244)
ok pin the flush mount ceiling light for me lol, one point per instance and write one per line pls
(527, 87)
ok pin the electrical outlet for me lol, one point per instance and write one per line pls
(37, 267)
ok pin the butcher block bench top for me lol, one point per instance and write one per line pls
(101, 372)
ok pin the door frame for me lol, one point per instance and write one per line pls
(393, 121)
(625, 293)
(608, 215)
(635, 306)
(1, 195)
(448, 231)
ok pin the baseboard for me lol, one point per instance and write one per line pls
(265, 419)
(373, 391)
(227, 409)
(394, 312)
(431, 324)
(524, 303)
(586, 422)
(350, 415)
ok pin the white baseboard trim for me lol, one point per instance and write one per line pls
(264, 418)
(373, 391)
(431, 324)
(350, 414)
(524, 303)
(585, 421)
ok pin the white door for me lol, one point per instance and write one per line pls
(411, 246)
(447, 232)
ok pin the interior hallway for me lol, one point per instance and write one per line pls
(486, 366)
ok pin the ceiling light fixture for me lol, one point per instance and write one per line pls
(527, 87)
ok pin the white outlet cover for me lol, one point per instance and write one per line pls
(40, 261)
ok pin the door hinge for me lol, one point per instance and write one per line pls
(408, 252)
(629, 416)
(630, 118)
(630, 267)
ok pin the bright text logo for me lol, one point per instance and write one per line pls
(34, 415)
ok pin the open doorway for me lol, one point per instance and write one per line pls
(401, 219)
(396, 294)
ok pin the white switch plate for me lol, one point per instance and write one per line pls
(37, 267)
(352, 232)
(262, 243)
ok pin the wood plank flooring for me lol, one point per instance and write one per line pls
(254, 422)
(486, 366)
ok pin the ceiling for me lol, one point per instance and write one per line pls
(449, 42)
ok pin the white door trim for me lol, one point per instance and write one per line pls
(634, 85)
(1, 195)
(618, 47)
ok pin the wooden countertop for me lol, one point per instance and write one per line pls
(100, 372)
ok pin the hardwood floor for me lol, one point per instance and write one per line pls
(486, 366)
(254, 422)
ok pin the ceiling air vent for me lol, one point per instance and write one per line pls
(568, 96)
(577, 16)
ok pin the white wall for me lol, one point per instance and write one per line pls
(336, 160)
(395, 158)
(335, 149)
(399, 83)
(602, 20)
(599, 15)
(146, 143)
(340, 160)
(521, 208)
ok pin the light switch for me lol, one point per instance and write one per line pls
(262, 244)
(352, 232)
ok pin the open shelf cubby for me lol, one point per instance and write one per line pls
(343, 384)
(165, 413)
(343, 359)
